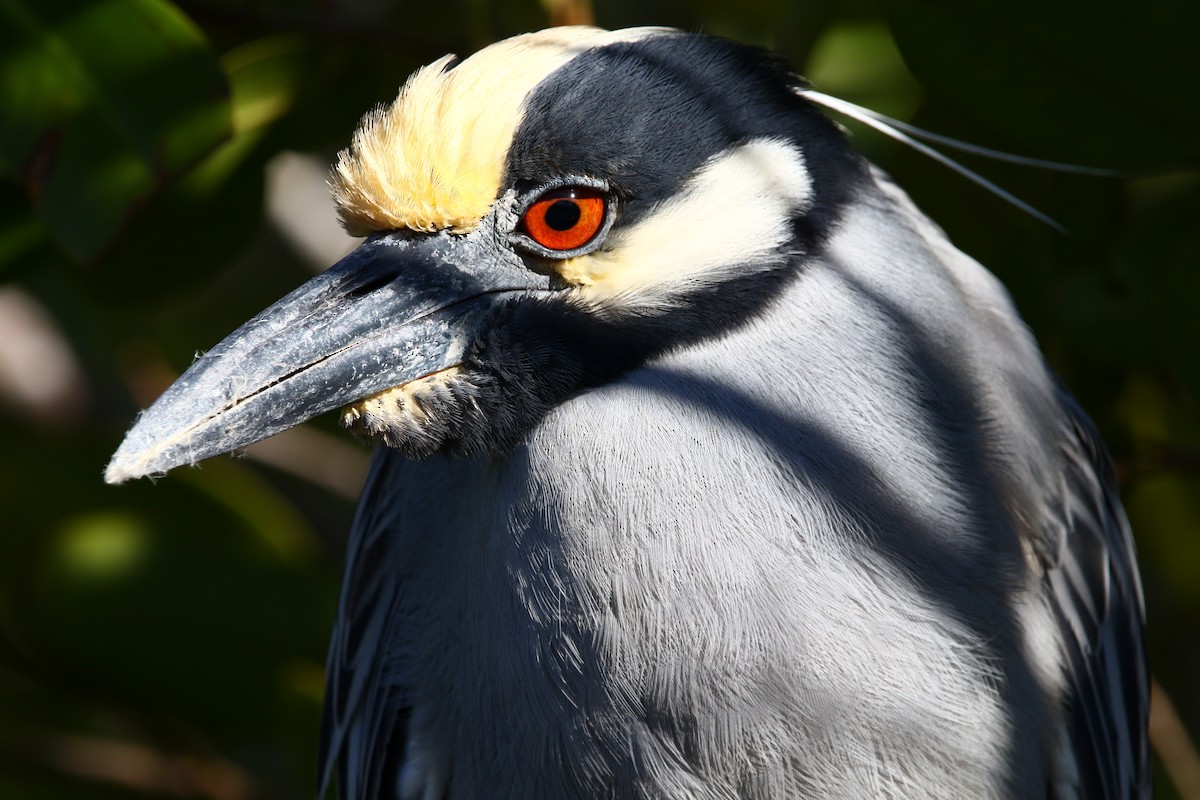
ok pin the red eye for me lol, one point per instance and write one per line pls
(565, 219)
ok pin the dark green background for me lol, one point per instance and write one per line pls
(167, 639)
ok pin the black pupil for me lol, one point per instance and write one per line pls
(562, 215)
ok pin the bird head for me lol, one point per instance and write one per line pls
(539, 218)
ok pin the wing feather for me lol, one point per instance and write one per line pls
(1096, 595)
(365, 718)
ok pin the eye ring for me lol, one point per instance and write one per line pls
(561, 222)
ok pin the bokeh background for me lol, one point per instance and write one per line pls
(162, 178)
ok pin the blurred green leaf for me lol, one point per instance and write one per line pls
(1159, 257)
(1107, 84)
(183, 614)
(171, 247)
(859, 62)
(104, 102)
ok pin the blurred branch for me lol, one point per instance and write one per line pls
(136, 766)
(301, 209)
(1153, 460)
(569, 12)
(39, 372)
(327, 461)
(1174, 747)
(1172, 459)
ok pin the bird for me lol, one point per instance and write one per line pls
(706, 465)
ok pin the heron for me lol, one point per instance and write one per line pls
(708, 467)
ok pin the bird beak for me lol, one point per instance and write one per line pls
(398, 308)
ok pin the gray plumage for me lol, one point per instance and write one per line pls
(881, 558)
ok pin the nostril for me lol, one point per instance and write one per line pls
(377, 282)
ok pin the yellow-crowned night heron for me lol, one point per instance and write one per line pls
(713, 469)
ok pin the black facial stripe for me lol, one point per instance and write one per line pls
(636, 121)
(645, 115)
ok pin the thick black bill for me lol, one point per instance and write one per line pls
(398, 308)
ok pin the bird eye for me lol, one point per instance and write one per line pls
(565, 219)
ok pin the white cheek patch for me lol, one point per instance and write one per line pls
(734, 213)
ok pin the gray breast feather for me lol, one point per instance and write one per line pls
(797, 560)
